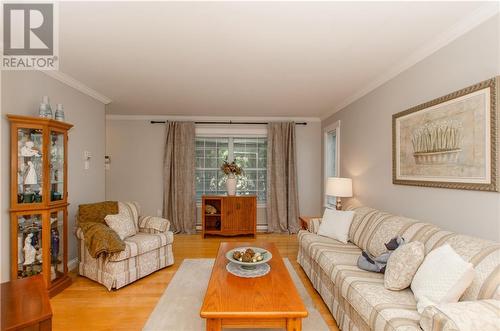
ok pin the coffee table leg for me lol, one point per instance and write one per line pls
(214, 324)
(294, 324)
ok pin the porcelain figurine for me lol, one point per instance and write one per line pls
(39, 255)
(29, 250)
(30, 178)
(54, 244)
(28, 151)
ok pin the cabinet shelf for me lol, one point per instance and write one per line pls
(235, 215)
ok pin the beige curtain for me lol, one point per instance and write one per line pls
(282, 198)
(179, 199)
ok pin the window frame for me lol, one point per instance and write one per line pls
(231, 131)
(334, 127)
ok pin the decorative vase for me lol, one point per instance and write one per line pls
(59, 116)
(47, 111)
(231, 184)
(42, 110)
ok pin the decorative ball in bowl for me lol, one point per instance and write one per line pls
(249, 257)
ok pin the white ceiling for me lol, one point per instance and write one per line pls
(243, 58)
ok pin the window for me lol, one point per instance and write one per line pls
(331, 143)
(250, 153)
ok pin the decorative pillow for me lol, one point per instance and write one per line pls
(442, 278)
(335, 224)
(123, 225)
(402, 265)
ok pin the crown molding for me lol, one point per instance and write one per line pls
(77, 85)
(465, 25)
(117, 117)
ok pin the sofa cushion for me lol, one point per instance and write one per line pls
(122, 225)
(131, 210)
(328, 252)
(380, 308)
(335, 224)
(442, 278)
(483, 254)
(402, 265)
(142, 243)
(371, 229)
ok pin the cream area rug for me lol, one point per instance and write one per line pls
(179, 307)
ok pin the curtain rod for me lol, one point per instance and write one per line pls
(227, 122)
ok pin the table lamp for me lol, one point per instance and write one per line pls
(339, 188)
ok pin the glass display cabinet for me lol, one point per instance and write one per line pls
(39, 206)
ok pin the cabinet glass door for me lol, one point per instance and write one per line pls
(56, 166)
(56, 245)
(29, 245)
(30, 165)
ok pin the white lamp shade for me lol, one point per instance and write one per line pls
(339, 187)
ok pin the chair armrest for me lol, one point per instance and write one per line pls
(465, 315)
(313, 225)
(79, 234)
(152, 224)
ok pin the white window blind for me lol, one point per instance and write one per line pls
(250, 153)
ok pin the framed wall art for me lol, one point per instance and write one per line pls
(449, 142)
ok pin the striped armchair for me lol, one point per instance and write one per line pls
(150, 249)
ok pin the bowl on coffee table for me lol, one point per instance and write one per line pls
(249, 257)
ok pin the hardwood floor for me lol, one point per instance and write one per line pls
(87, 305)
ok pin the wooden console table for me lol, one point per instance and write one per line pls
(26, 305)
(233, 215)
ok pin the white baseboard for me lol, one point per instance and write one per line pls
(73, 264)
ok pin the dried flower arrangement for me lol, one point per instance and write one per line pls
(437, 143)
(231, 168)
(437, 137)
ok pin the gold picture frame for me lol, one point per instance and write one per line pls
(449, 142)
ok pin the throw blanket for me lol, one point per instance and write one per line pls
(378, 263)
(99, 238)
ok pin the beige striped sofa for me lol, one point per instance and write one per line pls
(150, 249)
(358, 299)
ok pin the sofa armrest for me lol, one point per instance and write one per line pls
(152, 224)
(79, 234)
(313, 225)
(465, 315)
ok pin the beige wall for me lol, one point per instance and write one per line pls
(136, 151)
(365, 136)
(22, 92)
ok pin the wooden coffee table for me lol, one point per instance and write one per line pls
(270, 301)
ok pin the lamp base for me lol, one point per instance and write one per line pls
(338, 205)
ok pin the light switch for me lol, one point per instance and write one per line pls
(86, 159)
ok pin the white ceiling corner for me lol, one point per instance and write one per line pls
(465, 25)
(77, 85)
